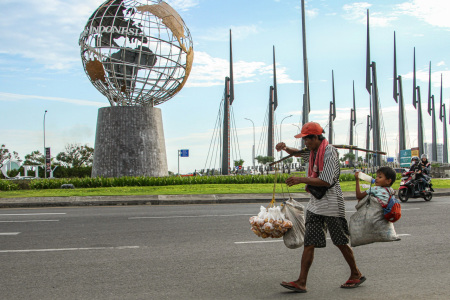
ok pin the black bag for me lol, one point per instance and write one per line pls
(318, 191)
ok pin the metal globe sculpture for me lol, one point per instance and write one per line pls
(136, 52)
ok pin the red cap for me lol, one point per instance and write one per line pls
(310, 128)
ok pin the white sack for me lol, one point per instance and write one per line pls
(294, 212)
(368, 225)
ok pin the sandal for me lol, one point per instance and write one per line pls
(353, 283)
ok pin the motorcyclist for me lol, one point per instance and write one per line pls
(426, 165)
(416, 167)
(426, 168)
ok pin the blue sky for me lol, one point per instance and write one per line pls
(40, 69)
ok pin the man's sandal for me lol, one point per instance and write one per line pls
(353, 283)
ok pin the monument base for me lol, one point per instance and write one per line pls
(129, 142)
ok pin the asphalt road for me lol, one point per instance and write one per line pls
(207, 252)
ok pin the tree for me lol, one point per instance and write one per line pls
(289, 160)
(35, 158)
(76, 156)
(264, 159)
(5, 155)
(239, 162)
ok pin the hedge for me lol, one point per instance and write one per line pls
(87, 182)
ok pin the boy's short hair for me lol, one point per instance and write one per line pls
(389, 173)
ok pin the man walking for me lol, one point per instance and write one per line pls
(323, 212)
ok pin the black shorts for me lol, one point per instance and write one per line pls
(317, 226)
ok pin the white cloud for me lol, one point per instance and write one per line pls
(18, 97)
(211, 71)
(223, 33)
(311, 13)
(423, 76)
(441, 63)
(357, 12)
(433, 12)
(45, 31)
(182, 5)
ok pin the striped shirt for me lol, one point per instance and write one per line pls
(332, 204)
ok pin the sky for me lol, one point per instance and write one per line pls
(41, 69)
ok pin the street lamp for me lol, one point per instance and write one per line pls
(45, 168)
(281, 124)
(253, 149)
(297, 141)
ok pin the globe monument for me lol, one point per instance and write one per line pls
(137, 53)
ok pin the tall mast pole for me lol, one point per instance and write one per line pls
(352, 121)
(270, 127)
(228, 100)
(306, 100)
(273, 104)
(431, 108)
(371, 81)
(418, 105)
(332, 114)
(369, 126)
(398, 97)
(443, 118)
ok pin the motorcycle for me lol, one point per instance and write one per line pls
(410, 187)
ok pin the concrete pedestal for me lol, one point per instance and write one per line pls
(129, 142)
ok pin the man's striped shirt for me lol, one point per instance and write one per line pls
(332, 204)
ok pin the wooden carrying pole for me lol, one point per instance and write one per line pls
(350, 147)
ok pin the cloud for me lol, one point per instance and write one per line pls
(423, 76)
(182, 5)
(45, 31)
(311, 13)
(18, 97)
(357, 12)
(211, 71)
(223, 33)
(433, 12)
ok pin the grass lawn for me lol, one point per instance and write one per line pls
(348, 186)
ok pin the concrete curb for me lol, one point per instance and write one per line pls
(163, 199)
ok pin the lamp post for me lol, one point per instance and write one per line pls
(297, 143)
(253, 148)
(281, 124)
(45, 167)
(357, 140)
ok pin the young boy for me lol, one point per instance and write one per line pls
(382, 190)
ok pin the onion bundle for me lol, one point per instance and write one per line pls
(270, 222)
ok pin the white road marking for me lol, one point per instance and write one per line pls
(403, 234)
(257, 242)
(9, 233)
(36, 214)
(201, 216)
(29, 221)
(403, 209)
(69, 249)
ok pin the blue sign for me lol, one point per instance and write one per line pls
(390, 159)
(184, 152)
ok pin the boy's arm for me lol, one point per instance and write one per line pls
(359, 195)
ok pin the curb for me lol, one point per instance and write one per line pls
(161, 200)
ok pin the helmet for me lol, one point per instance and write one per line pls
(424, 156)
(414, 158)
